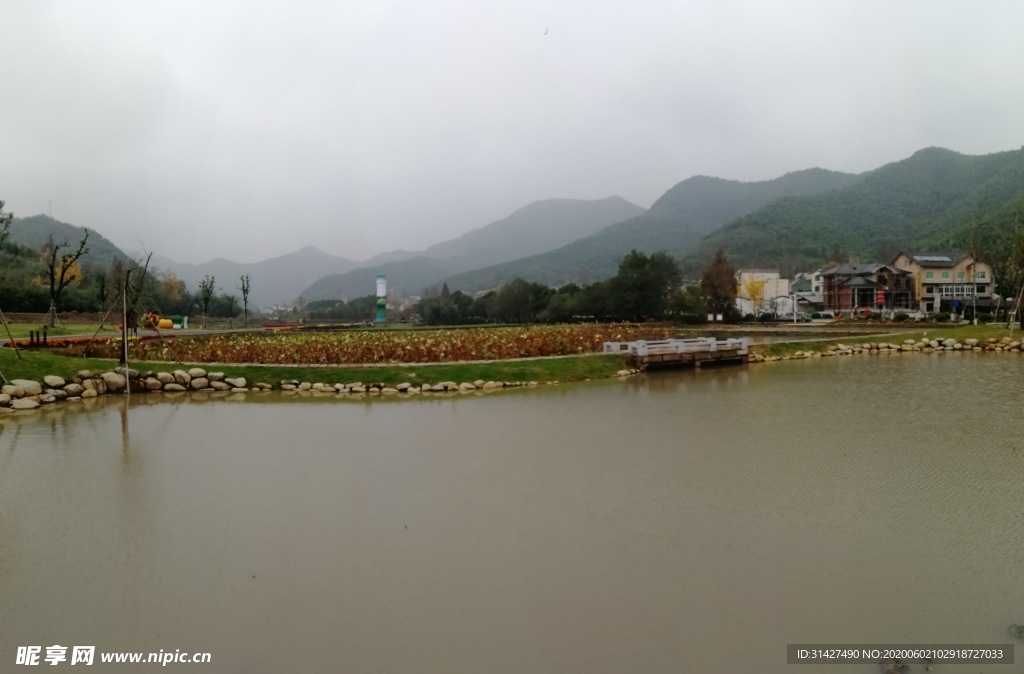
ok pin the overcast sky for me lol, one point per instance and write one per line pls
(246, 129)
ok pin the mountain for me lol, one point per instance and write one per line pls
(406, 277)
(277, 280)
(929, 200)
(36, 230)
(535, 228)
(686, 212)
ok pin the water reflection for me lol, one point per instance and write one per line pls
(690, 521)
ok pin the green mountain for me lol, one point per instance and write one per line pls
(535, 228)
(407, 277)
(681, 216)
(36, 230)
(929, 200)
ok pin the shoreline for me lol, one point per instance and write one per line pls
(354, 381)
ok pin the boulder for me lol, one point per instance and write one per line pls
(236, 382)
(46, 399)
(127, 372)
(164, 377)
(466, 386)
(89, 393)
(173, 386)
(57, 393)
(215, 376)
(83, 374)
(479, 383)
(403, 387)
(305, 386)
(113, 381)
(73, 389)
(31, 388)
(949, 343)
(13, 391)
(199, 383)
(220, 385)
(24, 404)
(4, 399)
(53, 381)
(153, 384)
(197, 372)
(182, 377)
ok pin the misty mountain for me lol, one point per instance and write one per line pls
(535, 228)
(405, 277)
(929, 200)
(277, 280)
(35, 231)
(686, 212)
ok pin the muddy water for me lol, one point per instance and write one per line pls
(673, 523)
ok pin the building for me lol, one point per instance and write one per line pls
(854, 287)
(758, 290)
(948, 281)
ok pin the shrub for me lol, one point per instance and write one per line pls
(900, 316)
(939, 316)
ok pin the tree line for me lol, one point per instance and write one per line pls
(57, 278)
(645, 288)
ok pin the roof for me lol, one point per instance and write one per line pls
(848, 269)
(937, 259)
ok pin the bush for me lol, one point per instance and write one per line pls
(873, 316)
(939, 316)
(901, 316)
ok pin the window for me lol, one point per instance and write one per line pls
(945, 274)
(929, 290)
(928, 274)
(980, 275)
(982, 289)
(960, 275)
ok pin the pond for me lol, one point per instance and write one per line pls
(685, 521)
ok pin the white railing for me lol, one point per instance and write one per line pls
(672, 346)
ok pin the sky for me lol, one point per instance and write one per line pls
(246, 130)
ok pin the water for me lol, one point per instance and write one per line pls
(674, 522)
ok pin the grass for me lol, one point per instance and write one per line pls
(21, 330)
(36, 364)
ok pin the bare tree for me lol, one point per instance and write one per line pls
(245, 298)
(206, 289)
(63, 271)
(5, 225)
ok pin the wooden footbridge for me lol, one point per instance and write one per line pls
(681, 352)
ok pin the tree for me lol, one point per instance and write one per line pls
(5, 225)
(63, 272)
(206, 290)
(245, 298)
(644, 285)
(718, 286)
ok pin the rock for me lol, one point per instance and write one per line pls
(13, 391)
(403, 387)
(47, 399)
(197, 372)
(199, 383)
(532, 383)
(425, 387)
(489, 385)
(173, 386)
(466, 386)
(215, 376)
(305, 386)
(127, 372)
(24, 404)
(220, 385)
(971, 342)
(239, 389)
(4, 399)
(58, 393)
(53, 381)
(89, 393)
(934, 343)
(83, 374)
(949, 343)
(153, 384)
(479, 383)
(31, 388)
(288, 387)
(113, 381)
(182, 377)
(164, 377)
(388, 389)
(264, 386)
(236, 382)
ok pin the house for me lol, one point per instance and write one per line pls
(757, 290)
(853, 287)
(949, 281)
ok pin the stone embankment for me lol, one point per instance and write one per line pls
(26, 394)
(922, 345)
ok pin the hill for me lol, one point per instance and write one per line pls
(407, 277)
(929, 200)
(35, 231)
(535, 228)
(277, 280)
(682, 215)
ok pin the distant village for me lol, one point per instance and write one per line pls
(916, 285)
